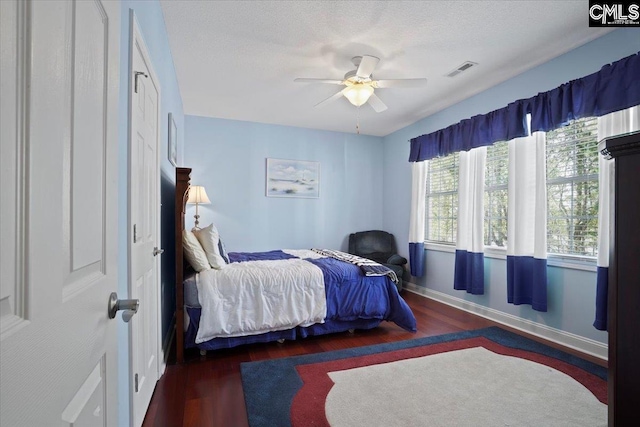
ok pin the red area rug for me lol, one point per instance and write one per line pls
(308, 408)
(294, 391)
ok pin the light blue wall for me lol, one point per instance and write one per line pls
(228, 158)
(151, 23)
(571, 292)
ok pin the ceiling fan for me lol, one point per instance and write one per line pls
(360, 84)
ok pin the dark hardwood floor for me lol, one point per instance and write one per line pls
(207, 391)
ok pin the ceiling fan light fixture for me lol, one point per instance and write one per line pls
(358, 94)
(360, 84)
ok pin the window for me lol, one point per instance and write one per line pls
(572, 192)
(495, 195)
(442, 199)
(572, 188)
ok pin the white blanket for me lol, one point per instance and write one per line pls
(249, 298)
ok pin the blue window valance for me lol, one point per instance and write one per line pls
(615, 87)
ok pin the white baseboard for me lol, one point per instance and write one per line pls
(567, 339)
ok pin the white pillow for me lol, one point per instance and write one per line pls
(208, 238)
(193, 252)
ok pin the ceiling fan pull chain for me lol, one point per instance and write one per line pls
(358, 120)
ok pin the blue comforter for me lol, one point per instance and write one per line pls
(258, 256)
(350, 294)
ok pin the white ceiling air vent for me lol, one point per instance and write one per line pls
(465, 66)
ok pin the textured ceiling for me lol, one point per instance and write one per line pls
(238, 59)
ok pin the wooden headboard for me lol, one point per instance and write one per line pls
(183, 178)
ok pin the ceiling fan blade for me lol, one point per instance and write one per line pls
(329, 99)
(330, 81)
(376, 103)
(367, 65)
(400, 83)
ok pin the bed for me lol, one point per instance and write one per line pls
(297, 293)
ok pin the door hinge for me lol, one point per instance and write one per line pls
(134, 233)
(135, 380)
(135, 83)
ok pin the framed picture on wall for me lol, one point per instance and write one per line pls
(173, 141)
(293, 178)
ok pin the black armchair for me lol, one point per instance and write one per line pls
(380, 247)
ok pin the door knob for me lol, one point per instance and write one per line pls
(157, 251)
(129, 306)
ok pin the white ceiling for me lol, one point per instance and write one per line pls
(238, 59)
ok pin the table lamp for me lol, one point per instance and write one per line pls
(197, 196)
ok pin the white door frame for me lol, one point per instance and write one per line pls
(136, 38)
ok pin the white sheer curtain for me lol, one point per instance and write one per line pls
(527, 222)
(469, 264)
(610, 125)
(418, 217)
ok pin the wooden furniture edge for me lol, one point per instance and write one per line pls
(622, 319)
(183, 178)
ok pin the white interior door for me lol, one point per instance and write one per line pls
(59, 78)
(144, 212)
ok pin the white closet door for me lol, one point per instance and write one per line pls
(144, 250)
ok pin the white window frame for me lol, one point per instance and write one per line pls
(489, 190)
(429, 195)
(572, 258)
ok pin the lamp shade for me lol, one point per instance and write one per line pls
(358, 94)
(198, 195)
